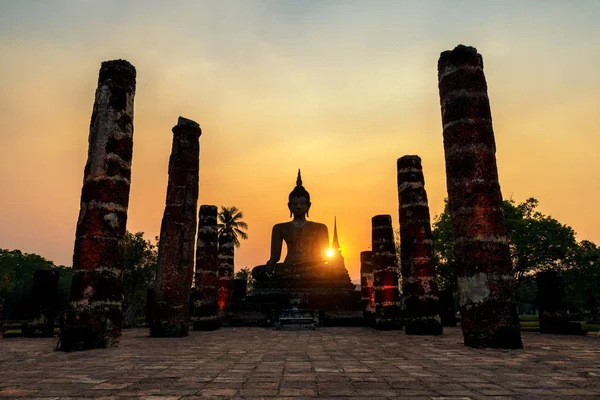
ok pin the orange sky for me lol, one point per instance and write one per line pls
(338, 89)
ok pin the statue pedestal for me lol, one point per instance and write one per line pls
(263, 306)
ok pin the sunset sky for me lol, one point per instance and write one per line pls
(340, 89)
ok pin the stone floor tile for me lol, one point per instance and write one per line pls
(256, 363)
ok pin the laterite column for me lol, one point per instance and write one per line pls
(206, 307)
(421, 295)
(385, 274)
(95, 311)
(487, 298)
(225, 272)
(171, 316)
(366, 286)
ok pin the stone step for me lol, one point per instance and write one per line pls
(297, 319)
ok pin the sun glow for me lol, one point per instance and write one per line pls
(330, 253)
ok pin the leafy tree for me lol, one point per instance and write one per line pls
(246, 274)
(243, 273)
(583, 278)
(443, 250)
(537, 241)
(16, 279)
(230, 223)
(140, 261)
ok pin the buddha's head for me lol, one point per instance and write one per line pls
(299, 199)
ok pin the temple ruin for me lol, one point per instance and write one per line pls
(487, 298)
(206, 307)
(171, 314)
(385, 274)
(95, 311)
(421, 295)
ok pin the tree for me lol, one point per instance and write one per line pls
(583, 278)
(246, 274)
(230, 223)
(443, 250)
(140, 261)
(16, 278)
(537, 242)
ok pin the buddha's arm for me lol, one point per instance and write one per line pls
(276, 241)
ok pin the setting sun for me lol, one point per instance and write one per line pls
(330, 253)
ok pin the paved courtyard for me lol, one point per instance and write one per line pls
(254, 363)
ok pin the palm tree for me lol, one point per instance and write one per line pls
(230, 223)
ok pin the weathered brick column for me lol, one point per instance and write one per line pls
(225, 272)
(206, 307)
(95, 312)
(421, 295)
(177, 234)
(552, 304)
(366, 286)
(487, 300)
(385, 274)
(44, 304)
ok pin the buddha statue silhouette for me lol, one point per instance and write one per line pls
(307, 243)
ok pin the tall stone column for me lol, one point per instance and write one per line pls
(385, 274)
(95, 311)
(366, 286)
(421, 295)
(177, 234)
(487, 298)
(225, 272)
(206, 307)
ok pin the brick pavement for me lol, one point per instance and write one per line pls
(254, 363)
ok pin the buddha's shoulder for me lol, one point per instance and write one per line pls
(282, 225)
(317, 225)
(309, 224)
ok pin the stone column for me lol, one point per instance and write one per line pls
(225, 272)
(44, 304)
(552, 304)
(95, 311)
(206, 307)
(366, 286)
(421, 295)
(171, 314)
(385, 274)
(487, 298)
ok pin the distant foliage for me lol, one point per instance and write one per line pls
(16, 278)
(246, 274)
(140, 262)
(583, 279)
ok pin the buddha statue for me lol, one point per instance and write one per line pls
(307, 243)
